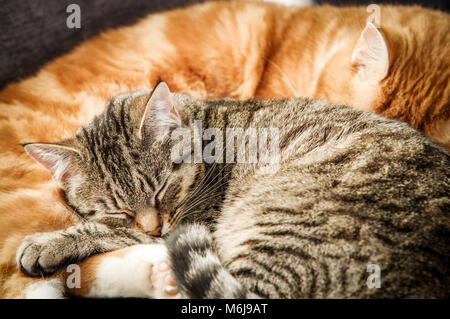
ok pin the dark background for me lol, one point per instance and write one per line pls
(32, 32)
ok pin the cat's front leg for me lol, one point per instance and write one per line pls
(138, 271)
(43, 254)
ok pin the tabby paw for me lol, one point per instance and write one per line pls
(39, 255)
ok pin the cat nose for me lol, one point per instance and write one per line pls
(155, 232)
(148, 222)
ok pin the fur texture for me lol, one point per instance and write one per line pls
(291, 51)
(351, 189)
(197, 269)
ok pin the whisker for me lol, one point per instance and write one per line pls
(189, 213)
(205, 177)
(209, 190)
(203, 197)
(193, 211)
(199, 200)
(205, 190)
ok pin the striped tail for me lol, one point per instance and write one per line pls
(196, 267)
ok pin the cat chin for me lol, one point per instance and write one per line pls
(45, 289)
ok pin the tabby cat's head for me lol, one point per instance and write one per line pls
(120, 166)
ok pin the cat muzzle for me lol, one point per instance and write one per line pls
(149, 222)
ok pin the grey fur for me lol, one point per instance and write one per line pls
(197, 268)
(42, 254)
(352, 189)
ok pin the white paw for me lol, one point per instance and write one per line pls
(45, 289)
(143, 272)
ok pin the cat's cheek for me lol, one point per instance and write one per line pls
(136, 274)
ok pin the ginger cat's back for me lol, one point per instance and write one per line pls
(211, 50)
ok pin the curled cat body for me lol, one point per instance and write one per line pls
(399, 70)
(344, 192)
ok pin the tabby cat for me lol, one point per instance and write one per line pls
(216, 49)
(346, 189)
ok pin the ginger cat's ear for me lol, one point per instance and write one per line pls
(371, 54)
(60, 160)
(160, 116)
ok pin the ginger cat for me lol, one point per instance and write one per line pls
(218, 49)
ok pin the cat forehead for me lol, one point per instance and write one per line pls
(114, 105)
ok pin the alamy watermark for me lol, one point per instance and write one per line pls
(73, 21)
(374, 280)
(252, 145)
(74, 279)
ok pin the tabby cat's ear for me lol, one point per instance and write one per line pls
(160, 116)
(371, 55)
(60, 160)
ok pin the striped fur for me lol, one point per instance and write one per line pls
(43, 254)
(198, 271)
(275, 51)
(352, 189)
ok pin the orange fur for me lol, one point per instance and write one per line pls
(231, 49)
(88, 268)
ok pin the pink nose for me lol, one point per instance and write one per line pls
(155, 232)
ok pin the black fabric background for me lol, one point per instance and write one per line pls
(32, 32)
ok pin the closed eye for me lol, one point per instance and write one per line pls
(91, 213)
